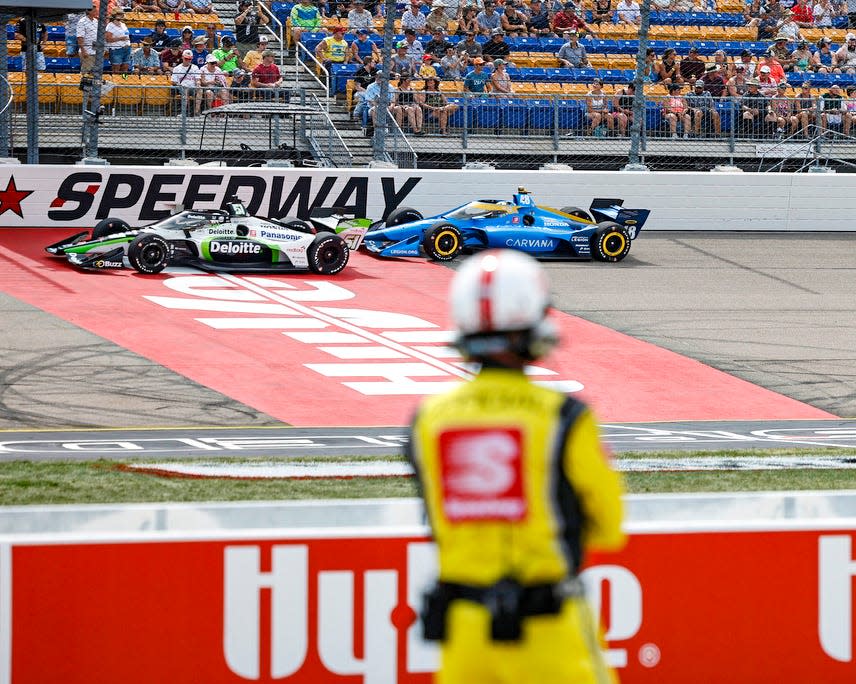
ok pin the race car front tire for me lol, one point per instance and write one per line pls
(149, 253)
(403, 215)
(610, 242)
(109, 226)
(576, 212)
(328, 254)
(442, 242)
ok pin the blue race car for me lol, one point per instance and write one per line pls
(604, 232)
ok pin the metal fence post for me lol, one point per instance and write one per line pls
(32, 90)
(555, 99)
(733, 102)
(91, 122)
(633, 162)
(6, 95)
(382, 106)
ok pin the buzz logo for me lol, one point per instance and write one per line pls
(836, 569)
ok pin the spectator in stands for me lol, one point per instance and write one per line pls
(572, 55)
(667, 68)
(469, 48)
(187, 38)
(538, 20)
(702, 111)
(435, 106)
(148, 6)
(212, 40)
(823, 59)
(692, 66)
(823, 13)
(789, 28)
(777, 72)
(488, 19)
(415, 50)
(239, 89)
(805, 108)
(500, 81)
(359, 17)
(574, 21)
(427, 69)
(247, 23)
(781, 112)
(254, 57)
(160, 38)
(649, 70)
(436, 47)
(775, 9)
(780, 51)
(768, 25)
(803, 14)
(117, 40)
(413, 18)
(476, 80)
(832, 108)
(212, 84)
(622, 106)
(228, 57)
(452, 65)
(468, 23)
(714, 81)
(436, 18)
(401, 63)
(601, 12)
(747, 59)
(362, 79)
(333, 49)
(266, 77)
(849, 108)
(336, 8)
(845, 56)
(496, 46)
(373, 100)
(753, 109)
(801, 57)
(676, 113)
(171, 57)
(200, 53)
(736, 85)
(407, 107)
(598, 111)
(87, 31)
(72, 19)
(513, 22)
(628, 12)
(171, 6)
(752, 13)
(41, 37)
(766, 83)
(726, 69)
(363, 48)
(198, 7)
(185, 77)
(305, 18)
(850, 6)
(145, 61)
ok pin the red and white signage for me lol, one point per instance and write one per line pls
(740, 606)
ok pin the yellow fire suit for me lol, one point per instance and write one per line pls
(516, 485)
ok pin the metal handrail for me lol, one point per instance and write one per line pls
(398, 134)
(301, 63)
(331, 131)
(280, 34)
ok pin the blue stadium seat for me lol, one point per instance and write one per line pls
(456, 118)
(612, 75)
(606, 46)
(15, 63)
(627, 47)
(653, 117)
(534, 74)
(756, 47)
(339, 75)
(523, 44)
(553, 45)
(486, 113)
(582, 75)
(542, 114)
(56, 32)
(571, 115)
(682, 47)
(61, 64)
(658, 45)
(732, 48)
(559, 75)
(310, 40)
(707, 47)
(515, 114)
(727, 113)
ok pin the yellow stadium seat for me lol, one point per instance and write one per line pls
(417, 85)
(68, 88)
(47, 92)
(14, 47)
(19, 88)
(575, 88)
(688, 32)
(349, 93)
(549, 88)
(127, 92)
(599, 61)
(621, 62)
(520, 59)
(741, 33)
(156, 92)
(451, 86)
(525, 88)
(544, 61)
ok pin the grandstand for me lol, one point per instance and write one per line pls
(548, 104)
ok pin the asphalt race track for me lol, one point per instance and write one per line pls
(774, 311)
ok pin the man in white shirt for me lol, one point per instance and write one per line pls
(413, 19)
(212, 82)
(87, 32)
(185, 76)
(628, 12)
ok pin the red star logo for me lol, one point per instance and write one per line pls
(11, 198)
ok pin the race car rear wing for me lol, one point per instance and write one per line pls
(604, 209)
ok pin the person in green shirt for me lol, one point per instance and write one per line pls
(304, 17)
(228, 57)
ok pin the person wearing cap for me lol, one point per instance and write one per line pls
(832, 110)
(488, 19)
(781, 112)
(305, 18)
(359, 17)
(427, 68)
(766, 83)
(801, 57)
(628, 12)
(704, 117)
(170, 57)
(476, 80)
(172, 6)
(333, 49)
(254, 57)
(823, 57)
(714, 81)
(212, 84)
(401, 63)
(87, 32)
(145, 61)
(187, 38)
(805, 107)
(599, 110)
(247, 22)
(415, 50)
(753, 109)
(469, 48)
(363, 48)
(362, 79)
(572, 55)
(228, 57)
(601, 12)
(512, 22)
(436, 18)
(768, 59)
(160, 38)
(736, 85)
(436, 47)
(823, 13)
(500, 81)
(667, 68)
(845, 56)
(266, 77)
(692, 66)
(117, 40)
(452, 64)
(200, 52)
(198, 6)
(185, 77)
(413, 18)
(538, 20)
(468, 23)
(496, 46)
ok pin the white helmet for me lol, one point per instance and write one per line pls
(496, 293)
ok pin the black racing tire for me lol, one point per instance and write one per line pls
(149, 253)
(109, 226)
(301, 226)
(403, 215)
(442, 242)
(610, 242)
(328, 254)
(577, 212)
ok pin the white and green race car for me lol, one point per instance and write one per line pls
(219, 240)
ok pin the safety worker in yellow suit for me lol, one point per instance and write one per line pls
(517, 487)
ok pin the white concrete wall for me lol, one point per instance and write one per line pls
(77, 196)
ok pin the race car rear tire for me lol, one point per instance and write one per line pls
(610, 242)
(302, 227)
(109, 226)
(403, 215)
(577, 212)
(149, 253)
(328, 254)
(442, 242)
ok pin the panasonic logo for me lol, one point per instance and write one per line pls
(529, 243)
(271, 235)
(235, 248)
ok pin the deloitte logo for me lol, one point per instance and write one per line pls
(219, 247)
